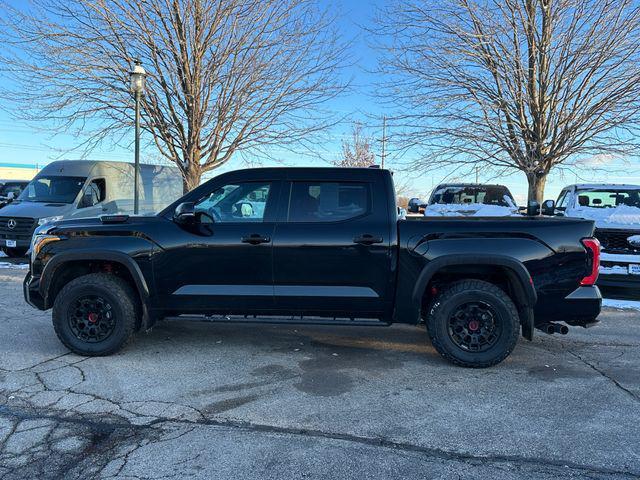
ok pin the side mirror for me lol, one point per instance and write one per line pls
(548, 207)
(185, 213)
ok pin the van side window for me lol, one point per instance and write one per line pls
(98, 190)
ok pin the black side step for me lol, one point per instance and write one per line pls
(281, 320)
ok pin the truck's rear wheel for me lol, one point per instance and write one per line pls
(95, 314)
(473, 324)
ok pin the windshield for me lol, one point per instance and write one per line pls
(53, 189)
(481, 194)
(8, 188)
(602, 198)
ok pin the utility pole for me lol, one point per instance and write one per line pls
(476, 174)
(384, 139)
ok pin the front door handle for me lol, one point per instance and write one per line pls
(367, 239)
(256, 239)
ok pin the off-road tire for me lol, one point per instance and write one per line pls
(120, 297)
(466, 291)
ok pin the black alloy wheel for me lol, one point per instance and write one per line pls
(474, 327)
(91, 318)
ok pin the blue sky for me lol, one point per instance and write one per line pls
(22, 143)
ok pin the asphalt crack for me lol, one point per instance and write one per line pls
(633, 395)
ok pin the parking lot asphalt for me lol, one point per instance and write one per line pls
(201, 400)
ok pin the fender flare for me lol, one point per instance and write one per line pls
(526, 294)
(49, 271)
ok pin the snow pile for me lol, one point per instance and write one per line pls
(468, 210)
(622, 216)
(621, 304)
(17, 266)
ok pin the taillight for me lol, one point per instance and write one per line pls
(592, 245)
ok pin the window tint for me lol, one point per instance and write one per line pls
(242, 202)
(327, 201)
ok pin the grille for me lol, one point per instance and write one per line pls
(616, 240)
(22, 231)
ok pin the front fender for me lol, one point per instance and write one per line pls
(60, 259)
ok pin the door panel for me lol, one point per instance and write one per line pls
(224, 265)
(332, 267)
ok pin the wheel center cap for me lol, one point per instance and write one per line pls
(93, 317)
(474, 325)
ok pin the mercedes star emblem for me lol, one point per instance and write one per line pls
(12, 224)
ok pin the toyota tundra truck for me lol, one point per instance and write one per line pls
(315, 245)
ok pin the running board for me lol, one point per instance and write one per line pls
(281, 320)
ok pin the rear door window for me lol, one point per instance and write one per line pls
(328, 201)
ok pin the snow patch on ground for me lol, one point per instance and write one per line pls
(622, 216)
(621, 304)
(15, 266)
(468, 210)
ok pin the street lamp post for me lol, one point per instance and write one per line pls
(137, 78)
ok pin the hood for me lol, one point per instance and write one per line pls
(622, 217)
(34, 209)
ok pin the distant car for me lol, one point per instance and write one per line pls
(10, 190)
(416, 205)
(616, 212)
(471, 199)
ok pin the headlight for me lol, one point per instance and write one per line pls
(45, 220)
(39, 241)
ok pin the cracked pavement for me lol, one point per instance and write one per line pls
(199, 400)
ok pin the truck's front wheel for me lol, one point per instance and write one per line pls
(473, 324)
(95, 314)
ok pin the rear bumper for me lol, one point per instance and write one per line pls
(581, 307)
(30, 289)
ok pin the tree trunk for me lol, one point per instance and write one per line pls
(191, 178)
(537, 182)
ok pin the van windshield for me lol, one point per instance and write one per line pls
(52, 189)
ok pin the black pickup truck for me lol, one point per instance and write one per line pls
(319, 245)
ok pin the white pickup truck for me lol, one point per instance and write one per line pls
(616, 212)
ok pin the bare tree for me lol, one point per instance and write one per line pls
(530, 85)
(357, 152)
(224, 75)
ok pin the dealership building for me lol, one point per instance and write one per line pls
(17, 171)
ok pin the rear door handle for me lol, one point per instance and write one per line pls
(367, 239)
(256, 239)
